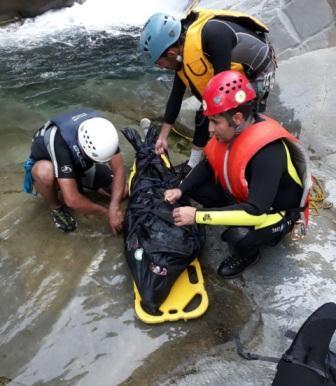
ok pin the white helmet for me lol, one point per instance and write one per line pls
(98, 138)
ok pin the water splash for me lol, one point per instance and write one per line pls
(93, 16)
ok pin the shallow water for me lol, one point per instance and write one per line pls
(68, 313)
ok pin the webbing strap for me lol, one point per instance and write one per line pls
(291, 359)
(252, 356)
(287, 358)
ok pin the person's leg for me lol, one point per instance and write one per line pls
(98, 178)
(245, 243)
(46, 185)
(244, 251)
(45, 182)
(212, 195)
(263, 84)
(201, 137)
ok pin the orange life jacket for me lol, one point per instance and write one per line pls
(229, 161)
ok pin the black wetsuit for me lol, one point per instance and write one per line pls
(88, 174)
(219, 55)
(271, 189)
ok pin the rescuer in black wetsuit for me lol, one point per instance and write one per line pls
(251, 181)
(206, 43)
(73, 151)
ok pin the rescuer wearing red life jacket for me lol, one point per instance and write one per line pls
(255, 177)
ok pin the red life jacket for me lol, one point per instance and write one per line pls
(229, 161)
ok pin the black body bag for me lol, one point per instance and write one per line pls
(156, 250)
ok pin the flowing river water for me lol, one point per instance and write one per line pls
(67, 315)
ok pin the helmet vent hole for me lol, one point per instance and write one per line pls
(94, 148)
(240, 80)
(234, 81)
(227, 84)
(227, 91)
(221, 88)
(233, 88)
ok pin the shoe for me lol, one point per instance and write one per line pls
(233, 266)
(183, 169)
(63, 219)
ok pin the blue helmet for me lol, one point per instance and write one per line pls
(160, 32)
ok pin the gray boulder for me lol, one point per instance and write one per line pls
(17, 9)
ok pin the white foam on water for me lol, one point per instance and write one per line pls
(93, 16)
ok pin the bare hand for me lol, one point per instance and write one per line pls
(116, 219)
(185, 215)
(161, 146)
(172, 195)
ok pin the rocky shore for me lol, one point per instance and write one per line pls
(12, 10)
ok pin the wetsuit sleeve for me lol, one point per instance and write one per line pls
(61, 156)
(263, 187)
(218, 41)
(175, 101)
(201, 173)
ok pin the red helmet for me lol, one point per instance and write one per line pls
(225, 91)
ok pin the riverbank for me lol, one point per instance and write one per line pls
(15, 10)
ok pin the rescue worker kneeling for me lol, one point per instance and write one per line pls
(255, 177)
(72, 151)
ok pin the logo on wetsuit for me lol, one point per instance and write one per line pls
(207, 217)
(66, 169)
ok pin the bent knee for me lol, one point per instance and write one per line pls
(43, 172)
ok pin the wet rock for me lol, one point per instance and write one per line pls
(4, 381)
(17, 9)
(296, 26)
(299, 12)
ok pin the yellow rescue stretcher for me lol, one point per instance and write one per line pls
(187, 299)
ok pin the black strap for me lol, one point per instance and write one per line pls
(251, 356)
(290, 334)
(287, 358)
(291, 359)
